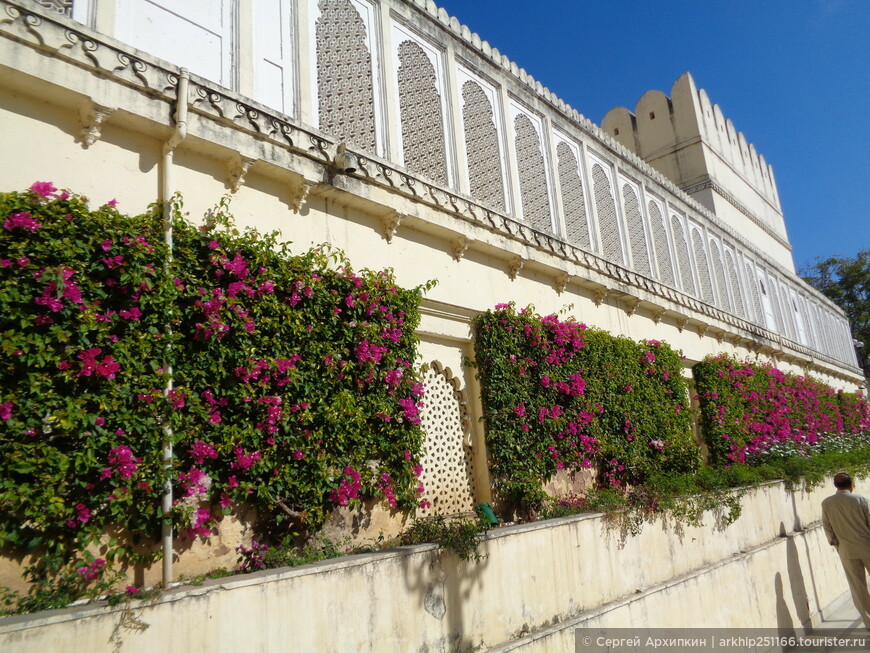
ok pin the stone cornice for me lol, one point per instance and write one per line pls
(56, 36)
(709, 183)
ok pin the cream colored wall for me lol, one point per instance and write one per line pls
(51, 101)
(543, 579)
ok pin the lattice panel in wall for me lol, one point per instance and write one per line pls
(64, 7)
(736, 291)
(660, 241)
(576, 221)
(703, 267)
(448, 476)
(777, 307)
(608, 220)
(481, 147)
(719, 275)
(788, 312)
(756, 300)
(533, 176)
(681, 246)
(345, 93)
(636, 231)
(420, 110)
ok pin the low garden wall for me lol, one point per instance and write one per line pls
(538, 582)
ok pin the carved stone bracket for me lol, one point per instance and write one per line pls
(514, 266)
(702, 330)
(631, 305)
(658, 315)
(720, 337)
(681, 323)
(299, 195)
(391, 223)
(458, 247)
(561, 282)
(237, 168)
(599, 295)
(92, 116)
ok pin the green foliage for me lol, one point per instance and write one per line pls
(259, 556)
(557, 395)
(459, 536)
(293, 390)
(846, 281)
(747, 408)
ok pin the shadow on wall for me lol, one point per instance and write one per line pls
(443, 584)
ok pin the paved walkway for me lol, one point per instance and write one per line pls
(841, 615)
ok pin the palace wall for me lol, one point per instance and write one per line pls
(774, 560)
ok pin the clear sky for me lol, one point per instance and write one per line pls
(793, 76)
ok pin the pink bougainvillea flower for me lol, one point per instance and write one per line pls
(43, 188)
(200, 450)
(22, 220)
(6, 411)
(83, 514)
(112, 202)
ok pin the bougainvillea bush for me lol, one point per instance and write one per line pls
(293, 385)
(557, 395)
(747, 408)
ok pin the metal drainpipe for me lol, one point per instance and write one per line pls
(178, 135)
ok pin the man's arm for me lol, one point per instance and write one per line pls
(829, 530)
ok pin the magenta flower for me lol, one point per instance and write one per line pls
(43, 188)
(22, 220)
(6, 411)
(92, 571)
(123, 463)
(200, 450)
(83, 514)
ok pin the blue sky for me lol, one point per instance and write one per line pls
(793, 76)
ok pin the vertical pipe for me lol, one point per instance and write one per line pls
(178, 135)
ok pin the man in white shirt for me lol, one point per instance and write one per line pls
(846, 520)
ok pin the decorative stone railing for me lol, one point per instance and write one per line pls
(219, 109)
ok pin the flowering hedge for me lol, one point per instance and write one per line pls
(293, 381)
(746, 408)
(557, 395)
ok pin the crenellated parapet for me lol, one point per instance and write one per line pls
(689, 140)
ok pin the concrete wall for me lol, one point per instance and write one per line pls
(771, 568)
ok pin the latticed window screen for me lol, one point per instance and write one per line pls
(571, 185)
(681, 246)
(64, 7)
(719, 273)
(481, 146)
(345, 93)
(735, 284)
(788, 311)
(784, 314)
(636, 231)
(447, 476)
(608, 221)
(533, 176)
(777, 309)
(756, 301)
(703, 267)
(420, 109)
(660, 240)
(808, 322)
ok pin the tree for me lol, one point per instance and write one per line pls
(846, 281)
